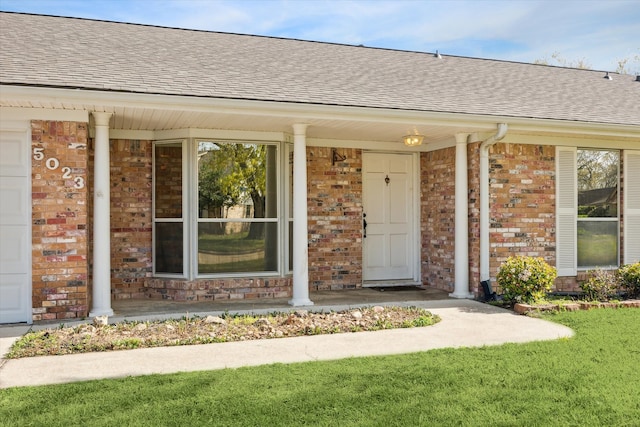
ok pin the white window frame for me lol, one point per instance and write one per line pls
(190, 215)
(185, 204)
(195, 216)
(631, 215)
(567, 210)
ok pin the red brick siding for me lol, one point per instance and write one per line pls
(437, 200)
(219, 289)
(59, 215)
(335, 219)
(131, 218)
(522, 202)
(473, 159)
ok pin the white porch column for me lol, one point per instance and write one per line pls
(300, 229)
(461, 286)
(101, 304)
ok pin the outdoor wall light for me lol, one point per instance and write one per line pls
(412, 140)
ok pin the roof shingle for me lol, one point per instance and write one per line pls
(50, 51)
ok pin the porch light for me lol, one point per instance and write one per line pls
(412, 140)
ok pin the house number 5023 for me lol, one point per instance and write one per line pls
(53, 164)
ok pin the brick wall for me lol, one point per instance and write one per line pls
(59, 214)
(335, 218)
(473, 160)
(218, 289)
(131, 219)
(522, 202)
(437, 202)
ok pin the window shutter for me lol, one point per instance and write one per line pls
(631, 206)
(566, 211)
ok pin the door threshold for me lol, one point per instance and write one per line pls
(390, 283)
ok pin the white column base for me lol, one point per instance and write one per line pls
(462, 295)
(300, 302)
(101, 312)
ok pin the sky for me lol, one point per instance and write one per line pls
(592, 33)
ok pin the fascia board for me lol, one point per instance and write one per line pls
(13, 113)
(300, 112)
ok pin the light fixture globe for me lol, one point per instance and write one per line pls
(412, 140)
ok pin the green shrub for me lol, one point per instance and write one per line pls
(601, 285)
(525, 279)
(629, 279)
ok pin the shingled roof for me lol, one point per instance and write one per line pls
(46, 51)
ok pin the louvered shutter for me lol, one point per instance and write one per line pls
(566, 211)
(631, 206)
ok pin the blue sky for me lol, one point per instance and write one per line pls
(596, 32)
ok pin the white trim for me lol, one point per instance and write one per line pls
(17, 113)
(631, 165)
(101, 302)
(82, 99)
(24, 127)
(415, 257)
(461, 216)
(566, 211)
(300, 292)
(417, 218)
(582, 141)
(185, 227)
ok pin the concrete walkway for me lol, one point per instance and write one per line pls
(464, 323)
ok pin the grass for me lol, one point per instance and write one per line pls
(235, 243)
(591, 379)
(597, 249)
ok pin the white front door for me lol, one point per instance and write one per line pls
(388, 203)
(15, 220)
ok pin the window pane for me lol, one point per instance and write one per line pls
(597, 183)
(228, 247)
(597, 243)
(168, 181)
(168, 247)
(237, 180)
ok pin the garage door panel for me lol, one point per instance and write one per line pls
(14, 208)
(14, 161)
(15, 228)
(13, 246)
(13, 293)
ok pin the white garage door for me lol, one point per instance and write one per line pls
(15, 230)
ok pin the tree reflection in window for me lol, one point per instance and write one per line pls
(598, 178)
(237, 207)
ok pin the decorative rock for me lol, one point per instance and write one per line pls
(521, 308)
(87, 329)
(140, 327)
(571, 307)
(101, 320)
(356, 314)
(261, 322)
(301, 313)
(378, 309)
(587, 305)
(215, 319)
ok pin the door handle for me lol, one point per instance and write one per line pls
(364, 225)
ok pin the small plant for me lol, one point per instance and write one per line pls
(629, 279)
(600, 286)
(525, 279)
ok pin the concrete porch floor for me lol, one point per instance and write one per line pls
(134, 308)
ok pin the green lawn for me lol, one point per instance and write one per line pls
(591, 379)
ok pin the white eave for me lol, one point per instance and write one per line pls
(148, 114)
